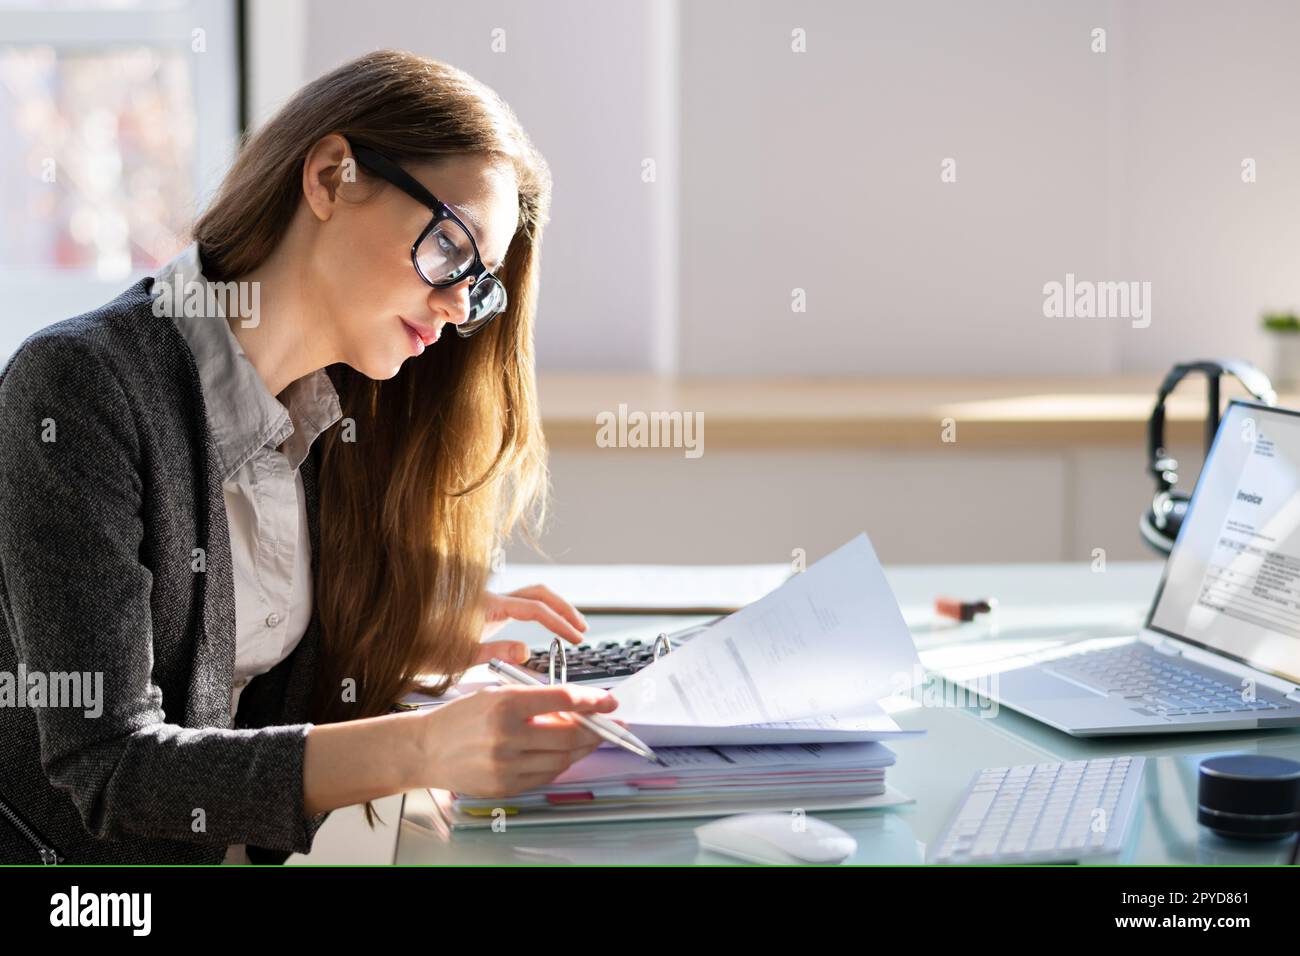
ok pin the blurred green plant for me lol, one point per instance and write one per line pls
(1281, 322)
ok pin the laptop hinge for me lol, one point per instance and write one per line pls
(1165, 646)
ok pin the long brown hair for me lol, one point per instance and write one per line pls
(432, 469)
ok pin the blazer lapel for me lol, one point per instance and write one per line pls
(212, 679)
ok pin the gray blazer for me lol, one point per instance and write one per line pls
(98, 531)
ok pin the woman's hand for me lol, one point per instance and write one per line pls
(506, 739)
(534, 603)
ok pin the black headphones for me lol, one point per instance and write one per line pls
(1160, 522)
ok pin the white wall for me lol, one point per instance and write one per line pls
(1123, 165)
(919, 507)
(1207, 84)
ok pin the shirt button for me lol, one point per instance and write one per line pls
(272, 619)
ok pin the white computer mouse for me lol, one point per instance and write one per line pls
(776, 838)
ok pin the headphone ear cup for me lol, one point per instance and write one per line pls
(1161, 522)
(1164, 519)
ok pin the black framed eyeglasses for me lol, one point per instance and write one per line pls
(445, 253)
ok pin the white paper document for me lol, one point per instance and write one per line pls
(684, 763)
(830, 641)
(827, 729)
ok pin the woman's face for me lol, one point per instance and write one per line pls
(381, 312)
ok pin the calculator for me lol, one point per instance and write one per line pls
(608, 662)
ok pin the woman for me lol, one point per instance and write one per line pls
(254, 520)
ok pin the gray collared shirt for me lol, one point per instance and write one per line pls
(260, 443)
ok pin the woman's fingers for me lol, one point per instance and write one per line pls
(541, 718)
(523, 702)
(515, 652)
(541, 762)
(557, 604)
(555, 732)
(531, 768)
(530, 609)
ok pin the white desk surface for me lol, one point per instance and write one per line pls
(1037, 602)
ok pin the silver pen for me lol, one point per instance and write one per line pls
(598, 724)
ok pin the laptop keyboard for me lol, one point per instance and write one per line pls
(1158, 686)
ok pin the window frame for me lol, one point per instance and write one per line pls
(37, 297)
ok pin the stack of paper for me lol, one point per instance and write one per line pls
(696, 781)
(778, 705)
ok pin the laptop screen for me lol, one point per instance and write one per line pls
(1232, 581)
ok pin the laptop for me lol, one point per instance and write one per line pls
(1220, 649)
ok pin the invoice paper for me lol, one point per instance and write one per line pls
(830, 640)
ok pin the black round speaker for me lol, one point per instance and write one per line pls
(1249, 796)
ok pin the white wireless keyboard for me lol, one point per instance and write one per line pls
(1043, 813)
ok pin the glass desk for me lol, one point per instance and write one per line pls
(1038, 604)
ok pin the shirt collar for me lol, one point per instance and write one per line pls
(243, 415)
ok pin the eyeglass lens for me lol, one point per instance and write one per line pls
(446, 254)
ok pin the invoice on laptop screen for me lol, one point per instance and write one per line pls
(1232, 582)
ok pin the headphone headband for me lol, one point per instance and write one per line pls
(1254, 381)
